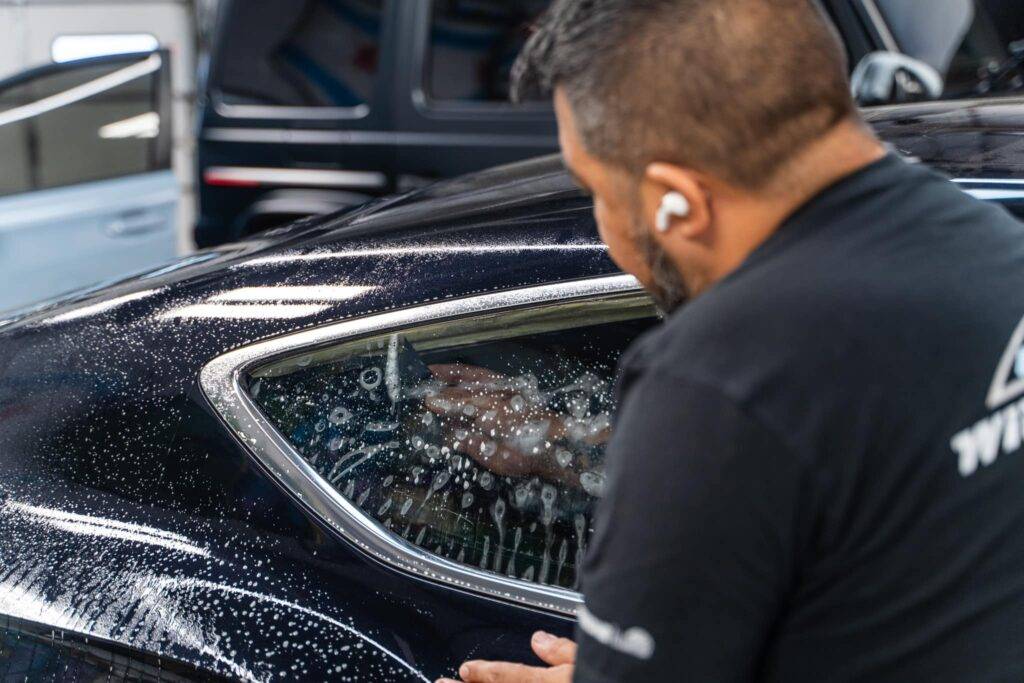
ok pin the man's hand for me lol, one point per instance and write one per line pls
(500, 429)
(559, 653)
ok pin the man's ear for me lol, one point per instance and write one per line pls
(666, 214)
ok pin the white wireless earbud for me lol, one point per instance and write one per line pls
(673, 205)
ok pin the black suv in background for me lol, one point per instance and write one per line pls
(311, 106)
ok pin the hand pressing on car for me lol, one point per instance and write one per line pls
(495, 420)
(558, 653)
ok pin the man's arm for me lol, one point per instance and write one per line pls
(695, 543)
(695, 547)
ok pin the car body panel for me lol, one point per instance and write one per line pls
(130, 513)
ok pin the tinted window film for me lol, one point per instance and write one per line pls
(305, 53)
(81, 124)
(473, 44)
(480, 441)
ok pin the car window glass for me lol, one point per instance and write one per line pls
(473, 44)
(480, 441)
(311, 53)
(966, 41)
(80, 124)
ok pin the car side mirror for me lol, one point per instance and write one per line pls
(892, 77)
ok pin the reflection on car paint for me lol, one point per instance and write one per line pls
(181, 602)
(99, 307)
(281, 293)
(436, 250)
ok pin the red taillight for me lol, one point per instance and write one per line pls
(226, 180)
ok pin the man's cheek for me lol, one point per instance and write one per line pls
(626, 256)
(609, 229)
(621, 249)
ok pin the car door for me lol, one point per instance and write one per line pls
(86, 187)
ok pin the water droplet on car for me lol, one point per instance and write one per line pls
(563, 457)
(440, 480)
(593, 483)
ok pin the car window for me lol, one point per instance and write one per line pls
(967, 41)
(473, 45)
(315, 53)
(480, 441)
(81, 124)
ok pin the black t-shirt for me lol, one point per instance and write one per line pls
(816, 472)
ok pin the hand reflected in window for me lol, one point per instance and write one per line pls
(506, 425)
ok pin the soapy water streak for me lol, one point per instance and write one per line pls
(173, 582)
(158, 596)
(105, 528)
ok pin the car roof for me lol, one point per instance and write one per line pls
(515, 226)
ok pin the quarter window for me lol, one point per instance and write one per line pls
(473, 44)
(480, 441)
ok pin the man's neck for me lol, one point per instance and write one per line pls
(849, 147)
(846, 149)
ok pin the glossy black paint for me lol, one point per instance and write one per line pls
(101, 416)
(980, 139)
(131, 517)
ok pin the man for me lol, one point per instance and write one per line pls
(814, 472)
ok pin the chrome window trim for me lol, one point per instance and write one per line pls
(221, 382)
(305, 136)
(290, 112)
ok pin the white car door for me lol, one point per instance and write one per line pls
(86, 188)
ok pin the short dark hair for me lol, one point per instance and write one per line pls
(731, 87)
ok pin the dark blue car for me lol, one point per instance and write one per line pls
(247, 464)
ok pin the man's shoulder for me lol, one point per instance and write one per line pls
(735, 325)
(850, 300)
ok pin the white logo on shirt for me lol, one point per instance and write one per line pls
(1008, 382)
(1001, 432)
(634, 641)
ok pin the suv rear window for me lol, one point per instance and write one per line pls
(473, 44)
(317, 53)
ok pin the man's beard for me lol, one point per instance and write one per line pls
(667, 287)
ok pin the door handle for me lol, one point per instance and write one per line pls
(131, 225)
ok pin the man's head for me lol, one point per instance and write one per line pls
(715, 100)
